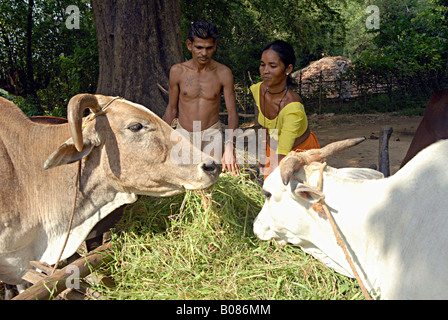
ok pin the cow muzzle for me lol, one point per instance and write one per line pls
(207, 175)
(209, 167)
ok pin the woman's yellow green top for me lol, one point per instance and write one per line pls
(291, 122)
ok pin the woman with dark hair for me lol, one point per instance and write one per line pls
(281, 111)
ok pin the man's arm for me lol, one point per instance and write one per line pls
(172, 107)
(228, 158)
(229, 98)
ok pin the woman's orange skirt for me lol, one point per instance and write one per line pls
(310, 143)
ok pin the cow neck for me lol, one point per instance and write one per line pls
(322, 208)
(78, 174)
(77, 181)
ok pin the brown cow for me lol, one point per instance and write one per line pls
(433, 127)
(95, 236)
(125, 151)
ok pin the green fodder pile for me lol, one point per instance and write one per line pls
(200, 245)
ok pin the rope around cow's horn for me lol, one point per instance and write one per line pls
(337, 234)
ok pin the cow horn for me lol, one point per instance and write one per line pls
(292, 163)
(75, 110)
(337, 146)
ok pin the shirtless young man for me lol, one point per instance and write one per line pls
(195, 90)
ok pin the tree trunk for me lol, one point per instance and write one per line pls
(138, 42)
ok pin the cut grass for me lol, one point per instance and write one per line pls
(200, 245)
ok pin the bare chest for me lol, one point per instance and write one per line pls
(200, 86)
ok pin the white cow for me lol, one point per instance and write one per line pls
(396, 229)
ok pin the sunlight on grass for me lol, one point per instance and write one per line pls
(200, 245)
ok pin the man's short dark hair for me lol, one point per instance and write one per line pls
(203, 29)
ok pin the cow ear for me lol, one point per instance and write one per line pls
(67, 153)
(309, 194)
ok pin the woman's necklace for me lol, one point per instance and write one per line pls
(278, 112)
(267, 89)
(279, 105)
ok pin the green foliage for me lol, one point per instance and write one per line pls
(27, 106)
(65, 62)
(410, 47)
(313, 27)
(411, 42)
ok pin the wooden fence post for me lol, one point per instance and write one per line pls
(320, 92)
(383, 152)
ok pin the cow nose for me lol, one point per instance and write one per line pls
(209, 166)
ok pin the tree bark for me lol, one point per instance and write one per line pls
(138, 42)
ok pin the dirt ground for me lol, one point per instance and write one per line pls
(330, 128)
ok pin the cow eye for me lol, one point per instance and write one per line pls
(135, 127)
(267, 194)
